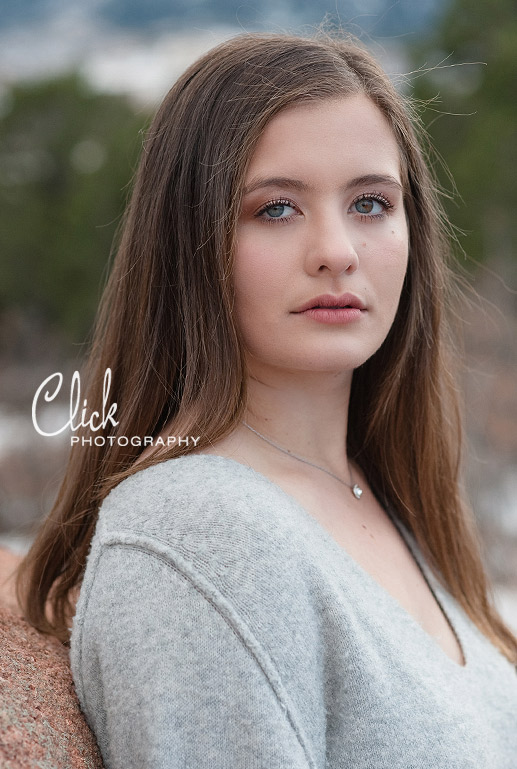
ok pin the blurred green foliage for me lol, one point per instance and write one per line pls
(473, 120)
(67, 155)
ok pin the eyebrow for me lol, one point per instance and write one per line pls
(296, 184)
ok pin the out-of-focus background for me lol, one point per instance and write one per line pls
(79, 80)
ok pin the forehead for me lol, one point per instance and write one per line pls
(346, 136)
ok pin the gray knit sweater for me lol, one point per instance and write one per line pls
(220, 626)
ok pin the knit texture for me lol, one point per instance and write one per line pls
(220, 626)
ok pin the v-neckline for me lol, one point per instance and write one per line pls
(364, 573)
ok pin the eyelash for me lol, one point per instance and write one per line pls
(270, 204)
(379, 197)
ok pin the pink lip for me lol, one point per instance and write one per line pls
(344, 302)
(331, 315)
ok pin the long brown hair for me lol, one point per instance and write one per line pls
(166, 328)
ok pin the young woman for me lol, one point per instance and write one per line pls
(295, 580)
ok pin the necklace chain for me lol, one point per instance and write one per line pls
(354, 487)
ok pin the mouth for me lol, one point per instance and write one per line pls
(330, 302)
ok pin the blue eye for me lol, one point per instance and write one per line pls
(276, 210)
(369, 206)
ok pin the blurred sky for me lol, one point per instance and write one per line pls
(140, 47)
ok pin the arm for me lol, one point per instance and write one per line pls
(167, 682)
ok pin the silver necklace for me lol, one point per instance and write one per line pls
(354, 487)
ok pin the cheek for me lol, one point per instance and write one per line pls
(396, 252)
(259, 275)
(399, 254)
(389, 270)
(254, 304)
(390, 246)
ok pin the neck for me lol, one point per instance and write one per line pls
(305, 414)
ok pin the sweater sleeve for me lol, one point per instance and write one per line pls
(166, 681)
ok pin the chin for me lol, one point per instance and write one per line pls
(313, 364)
(335, 361)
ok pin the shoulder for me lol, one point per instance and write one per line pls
(198, 532)
(196, 498)
(218, 522)
(190, 479)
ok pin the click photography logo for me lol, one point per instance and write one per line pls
(80, 417)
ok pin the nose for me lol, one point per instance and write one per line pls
(330, 246)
